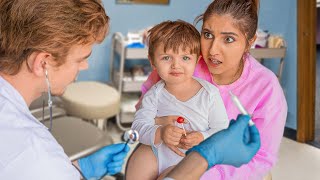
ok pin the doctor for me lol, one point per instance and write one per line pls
(47, 42)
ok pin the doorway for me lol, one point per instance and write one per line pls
(306, 69)
(317, 108)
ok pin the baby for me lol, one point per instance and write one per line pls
(174, 50)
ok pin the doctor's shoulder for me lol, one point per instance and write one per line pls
(20, 136)
(14, 140)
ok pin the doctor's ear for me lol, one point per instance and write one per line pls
(39, 62)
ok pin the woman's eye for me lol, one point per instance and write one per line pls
(185, 58)
(229, 39)
(208, 35)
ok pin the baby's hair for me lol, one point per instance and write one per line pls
(174, 35)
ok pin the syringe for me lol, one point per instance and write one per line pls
(237, 102)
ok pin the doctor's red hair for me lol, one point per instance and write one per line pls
(52, 26)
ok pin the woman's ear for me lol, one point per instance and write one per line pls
(39, 62)
(251, 41)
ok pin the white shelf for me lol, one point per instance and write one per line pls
(128, 86)
(268, 53)
(128, 109)
(130, 53)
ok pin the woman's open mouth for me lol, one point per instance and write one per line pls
(214, 62)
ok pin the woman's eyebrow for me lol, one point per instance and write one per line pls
(206, 29)
(225, 33)
(229, 33)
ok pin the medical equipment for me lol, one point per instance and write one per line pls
(49, 101)
(180, 120)
(130, 136)
(237, 102)
(135, 40)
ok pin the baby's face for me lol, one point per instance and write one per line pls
(174, 67)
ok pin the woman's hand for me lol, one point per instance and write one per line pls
(193, 138)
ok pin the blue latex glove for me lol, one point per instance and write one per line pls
(233, 146)
(107, 160)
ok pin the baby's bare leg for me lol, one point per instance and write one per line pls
(165, 172)
(142, 164)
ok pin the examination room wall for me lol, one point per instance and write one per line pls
(279, 17)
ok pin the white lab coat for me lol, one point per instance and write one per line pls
(27, 148)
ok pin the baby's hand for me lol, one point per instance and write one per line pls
(171, 135)
(176, 150)
(192, 139)
(183, 146)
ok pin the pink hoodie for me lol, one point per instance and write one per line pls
(261, 94)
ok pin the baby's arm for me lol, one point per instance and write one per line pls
(144, 121)
(218, 118)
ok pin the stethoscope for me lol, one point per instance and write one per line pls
(49, 101)
(130, 137)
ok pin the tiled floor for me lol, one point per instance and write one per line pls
(296, 161)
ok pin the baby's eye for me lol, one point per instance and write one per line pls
(230, 39)
(166, 58)
(208, 35)
(186, 58)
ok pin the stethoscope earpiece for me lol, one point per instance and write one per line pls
(49, 100)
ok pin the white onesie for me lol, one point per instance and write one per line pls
(204, 112)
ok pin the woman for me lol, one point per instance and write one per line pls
(228, 30)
